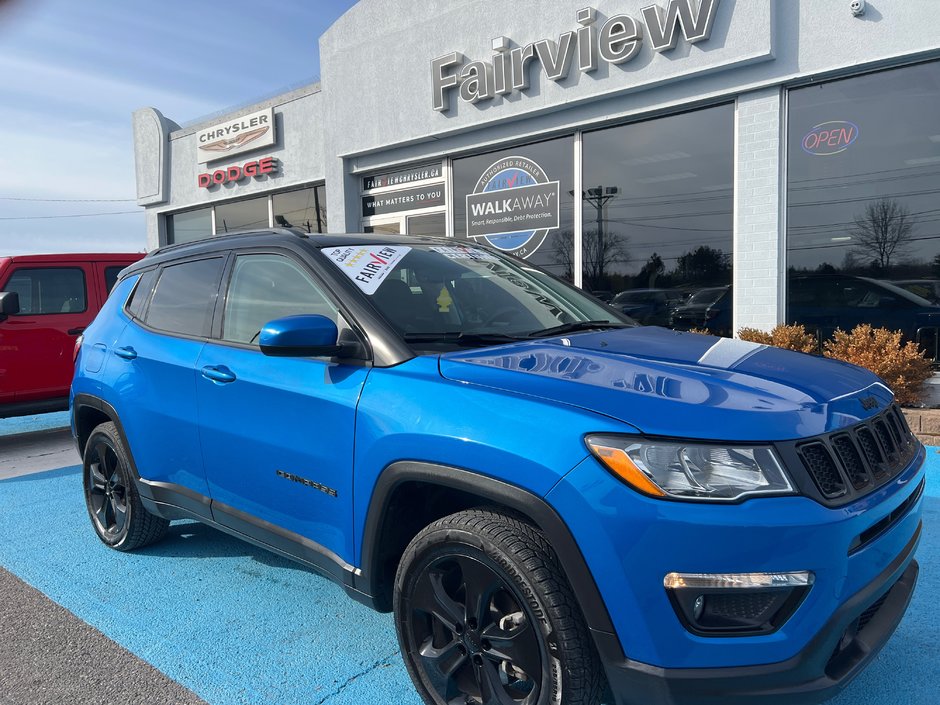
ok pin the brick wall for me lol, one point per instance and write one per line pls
(925, 423)
(758, 236)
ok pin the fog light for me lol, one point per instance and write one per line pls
(736, 604)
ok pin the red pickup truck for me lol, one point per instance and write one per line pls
(46, 301)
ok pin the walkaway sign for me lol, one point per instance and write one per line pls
(513, 206)
(618, 40)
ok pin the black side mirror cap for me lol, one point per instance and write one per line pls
(9, 304)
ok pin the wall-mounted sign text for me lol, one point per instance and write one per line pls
(828, 138)
(404, 200)
(618, 40)
(235, 136)
(513, 206)
(232, 174)
(403, 176)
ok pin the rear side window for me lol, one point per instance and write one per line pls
(265, 287)
(111, 277)
(47, 290)
(185, 295)
(138, 298)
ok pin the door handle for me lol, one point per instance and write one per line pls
(76, 331)
(221, 374)
(127, 353)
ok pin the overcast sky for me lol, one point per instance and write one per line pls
(72, 72)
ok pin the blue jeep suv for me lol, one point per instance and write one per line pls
(552, 500)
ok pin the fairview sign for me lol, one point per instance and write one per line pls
(618, 40)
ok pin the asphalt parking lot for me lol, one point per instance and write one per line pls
(204, 617)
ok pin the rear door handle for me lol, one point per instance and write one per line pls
(127, 353)
(76, 331)
(221, 374)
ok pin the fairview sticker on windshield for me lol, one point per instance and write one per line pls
(367, 266)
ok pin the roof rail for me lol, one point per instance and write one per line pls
(296, 232)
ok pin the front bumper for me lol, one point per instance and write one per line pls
(630, 542)
(838, 653)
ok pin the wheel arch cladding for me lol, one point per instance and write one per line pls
(412, 494)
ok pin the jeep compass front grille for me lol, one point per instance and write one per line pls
(852, 462)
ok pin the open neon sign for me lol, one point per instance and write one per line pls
(828, 138)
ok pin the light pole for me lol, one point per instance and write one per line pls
(598, 197)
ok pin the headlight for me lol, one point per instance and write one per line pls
(692, 471)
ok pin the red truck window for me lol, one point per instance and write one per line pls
(47, 290)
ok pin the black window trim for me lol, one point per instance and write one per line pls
(140, 274)
(306, 265)
(142, 322)
(27, 266)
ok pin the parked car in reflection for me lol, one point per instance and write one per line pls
(707, 309)
(925, 288)
(824, 302)
(650, 307)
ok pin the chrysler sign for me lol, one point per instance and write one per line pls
(618, 40)
(236, 136)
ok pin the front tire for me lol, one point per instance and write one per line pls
(485, 616)
(114, 507)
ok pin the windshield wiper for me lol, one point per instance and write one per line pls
(575, 326)
(462, 338)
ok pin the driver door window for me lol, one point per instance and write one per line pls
(265, 287)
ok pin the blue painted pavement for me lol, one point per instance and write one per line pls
(238, 625)
(39, 422)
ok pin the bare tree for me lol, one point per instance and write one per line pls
(598, 254)
(883, 231)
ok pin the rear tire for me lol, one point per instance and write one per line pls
(484, 615)
(114, 507)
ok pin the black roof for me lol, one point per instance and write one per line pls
(249, 238)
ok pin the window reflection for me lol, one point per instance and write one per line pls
(541, 229)
(304, 209)
(863, 229)
(241, 215)
(189, 226)
(657, 218)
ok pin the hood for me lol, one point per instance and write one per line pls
(668, 383)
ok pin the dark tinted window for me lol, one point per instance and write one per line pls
(189, 226)
(46, 290)
(111, 277)
(657, 209)
(184, 297)
(304, 209)
(138, 298)
(242, 215)
(863, 177)
(265, 287)
(536, 180)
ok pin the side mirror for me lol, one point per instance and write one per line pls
(309, 335)
(9, 304)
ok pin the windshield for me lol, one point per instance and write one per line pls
(706, 297)
(454, 295)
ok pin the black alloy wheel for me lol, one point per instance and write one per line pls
(107, 489)
(117, 514)
(474, 635)
(485, 616)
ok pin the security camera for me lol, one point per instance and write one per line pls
(857, 7)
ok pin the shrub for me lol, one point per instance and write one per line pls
(903, 367)
(783, 336)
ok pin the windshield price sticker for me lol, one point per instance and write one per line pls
(368, 267)
(460, 252)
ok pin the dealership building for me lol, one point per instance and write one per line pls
(781, 155)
